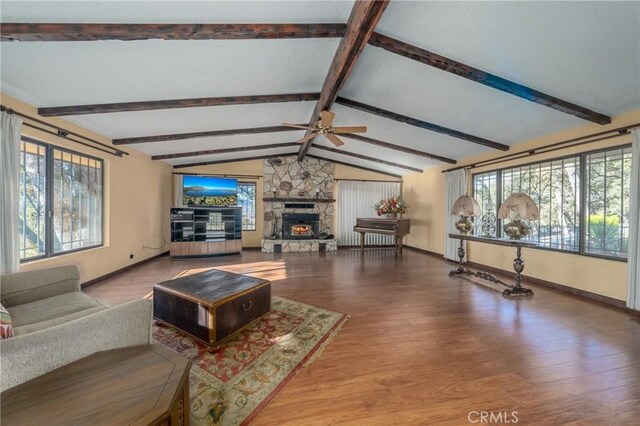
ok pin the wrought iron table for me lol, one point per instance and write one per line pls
(518, 263)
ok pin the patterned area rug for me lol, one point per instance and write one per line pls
(232, 385)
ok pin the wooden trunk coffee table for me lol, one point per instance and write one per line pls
(140, 385)
(211, 306)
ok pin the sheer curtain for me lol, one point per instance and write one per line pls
(633, 293)
(456, 186)
(9, 192)
(356, 199)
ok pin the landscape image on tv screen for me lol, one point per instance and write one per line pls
(209, 191)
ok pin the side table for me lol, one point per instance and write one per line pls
(140, 385)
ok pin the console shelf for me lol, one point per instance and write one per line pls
(205, 231)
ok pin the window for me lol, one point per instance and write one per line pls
(247, 200)
(33, 200)
(608, 182)
(60, 200)
(557, 188)
(485, 190)
(554, 186)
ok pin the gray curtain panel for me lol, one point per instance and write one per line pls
(456, 186)
(633, 292)
(9, 192)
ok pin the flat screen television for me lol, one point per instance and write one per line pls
(209, 191)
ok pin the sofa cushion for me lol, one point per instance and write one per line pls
(52, 308)
(6, 328)
(31, 328)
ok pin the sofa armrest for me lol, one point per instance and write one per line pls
(31, 355)
(25, 287)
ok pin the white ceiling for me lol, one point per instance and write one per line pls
(583, 52)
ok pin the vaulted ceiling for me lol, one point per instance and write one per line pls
(584, 55)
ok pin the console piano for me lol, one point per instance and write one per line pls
(396, 227)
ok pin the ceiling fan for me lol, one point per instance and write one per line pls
(324, 127)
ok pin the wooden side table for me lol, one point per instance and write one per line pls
(141, 385)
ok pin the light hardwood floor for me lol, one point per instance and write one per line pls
(422, 348)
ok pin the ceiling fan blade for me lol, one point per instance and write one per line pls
(297, 126)
(334, 139)
(350, 129)
(307, 137)
(326, 118)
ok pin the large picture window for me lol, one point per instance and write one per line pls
(584, 215)
(60, 200)
(247, 200)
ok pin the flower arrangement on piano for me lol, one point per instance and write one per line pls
(391, 207)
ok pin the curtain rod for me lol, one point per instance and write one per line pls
(64, 133)
(219, 175)
(55, 134)
(621, 131)
(368, 180)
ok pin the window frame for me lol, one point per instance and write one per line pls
(255, 206)
(583, 187)
(49, 192)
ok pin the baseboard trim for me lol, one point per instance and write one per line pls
(121, 270)
(429, 252)
(610, 301)
(367, 246)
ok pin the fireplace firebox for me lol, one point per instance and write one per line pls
(300, 226)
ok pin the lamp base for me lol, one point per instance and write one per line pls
(516, 229)
(464, 225)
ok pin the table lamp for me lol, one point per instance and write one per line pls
(517, 207)
(465, 206)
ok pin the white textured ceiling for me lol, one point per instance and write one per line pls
(173, 12)
(586, 52)
(72, 73)
(187, 120)
(218, 142)
(583, 52)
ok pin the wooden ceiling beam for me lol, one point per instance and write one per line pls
(362, 21)
(364, 157)
(208, 133)
(128, 32)
(491, 80)
(224, 150)
(419, 123)
(233, 160)
(398, 148)
(174, 103)
(355, 166)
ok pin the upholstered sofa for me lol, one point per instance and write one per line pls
(55, 323)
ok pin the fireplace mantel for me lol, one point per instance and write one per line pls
(298, 200)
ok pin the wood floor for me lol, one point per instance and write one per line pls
(422, 348)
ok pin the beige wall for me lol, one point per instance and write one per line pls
(425, 194)
(137, 198)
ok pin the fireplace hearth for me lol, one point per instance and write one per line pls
(300, 226)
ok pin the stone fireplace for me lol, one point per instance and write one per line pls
(298, 204)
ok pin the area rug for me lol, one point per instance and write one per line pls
(232, 385)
